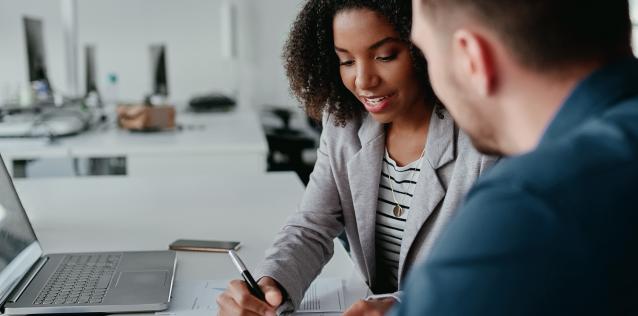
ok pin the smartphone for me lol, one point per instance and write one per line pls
(204, 245)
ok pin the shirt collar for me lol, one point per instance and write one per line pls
(440, 147)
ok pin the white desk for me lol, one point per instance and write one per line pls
(206, 143)
(111, 213)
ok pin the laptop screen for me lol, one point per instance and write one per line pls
(19, 248)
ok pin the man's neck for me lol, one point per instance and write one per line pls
(530, 109)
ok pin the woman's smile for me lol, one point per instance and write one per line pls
(376, 104)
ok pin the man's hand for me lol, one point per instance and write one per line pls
(376, 307)
(237, 299)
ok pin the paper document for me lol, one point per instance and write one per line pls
(195, 298)
(323, 296)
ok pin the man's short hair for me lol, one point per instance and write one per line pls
(550, 33)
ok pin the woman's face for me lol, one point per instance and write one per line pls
(375, 64)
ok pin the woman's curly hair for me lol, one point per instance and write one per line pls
(312, 65)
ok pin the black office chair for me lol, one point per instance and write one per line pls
(286, 145)
(291, 143)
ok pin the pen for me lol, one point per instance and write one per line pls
(252, 285)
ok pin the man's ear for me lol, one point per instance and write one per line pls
(475, 64)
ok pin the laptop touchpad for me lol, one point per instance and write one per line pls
(142, 279)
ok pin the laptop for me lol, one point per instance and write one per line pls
(32, 282)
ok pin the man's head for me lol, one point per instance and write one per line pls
(484, 55)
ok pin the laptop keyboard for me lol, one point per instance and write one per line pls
(80, 279)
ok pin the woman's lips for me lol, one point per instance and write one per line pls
(377, 104)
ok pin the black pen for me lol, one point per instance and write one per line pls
(252, 285)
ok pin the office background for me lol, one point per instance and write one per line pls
(228, 46)
(189, 182)
(193, 31)
(121, 30)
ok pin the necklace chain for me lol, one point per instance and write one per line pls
(398, 210)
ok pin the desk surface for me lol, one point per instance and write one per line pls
(237, 131)
(124, 213)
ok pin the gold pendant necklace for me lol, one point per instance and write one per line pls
(398, 209)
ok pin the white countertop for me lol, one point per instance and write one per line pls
(124, 213)
(237, 131)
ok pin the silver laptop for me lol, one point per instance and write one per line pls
(34, 283)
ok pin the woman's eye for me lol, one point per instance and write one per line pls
(346, 63)
(387, 58)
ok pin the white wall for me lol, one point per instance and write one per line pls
(13, 63)
(271, 21)
(633, 6)
(121, 30)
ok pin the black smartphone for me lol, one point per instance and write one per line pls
(204, 245)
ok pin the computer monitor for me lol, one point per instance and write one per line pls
(36, 56)
(92, 92)
(159, 74)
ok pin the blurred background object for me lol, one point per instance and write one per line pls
(228, 46)
(291, 143)
(213, 101)
(67, 64)
(144, 118)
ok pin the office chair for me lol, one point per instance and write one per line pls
(286, 144)
(291, 143)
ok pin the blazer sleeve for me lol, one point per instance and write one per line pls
(305, 243)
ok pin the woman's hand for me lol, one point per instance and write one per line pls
(370, 307)
(237, 299)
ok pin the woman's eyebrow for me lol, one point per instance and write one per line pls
(384, 41)
(374, 46)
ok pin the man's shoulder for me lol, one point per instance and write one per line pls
(602, 152)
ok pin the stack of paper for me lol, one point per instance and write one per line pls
(323, 296)
(194, 298)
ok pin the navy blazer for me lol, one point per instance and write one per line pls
(553, 231)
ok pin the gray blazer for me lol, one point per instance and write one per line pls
(342, 194)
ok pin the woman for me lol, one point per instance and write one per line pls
(391, 166)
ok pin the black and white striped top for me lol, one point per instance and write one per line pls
(389, 228)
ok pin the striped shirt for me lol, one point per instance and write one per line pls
(390, 228)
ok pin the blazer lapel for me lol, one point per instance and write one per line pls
(439, 150)
(364, 172)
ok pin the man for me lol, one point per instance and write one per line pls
(553, 228)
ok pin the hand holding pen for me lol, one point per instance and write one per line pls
(243, 297)
(252, 285)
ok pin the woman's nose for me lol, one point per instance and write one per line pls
(367, 77)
